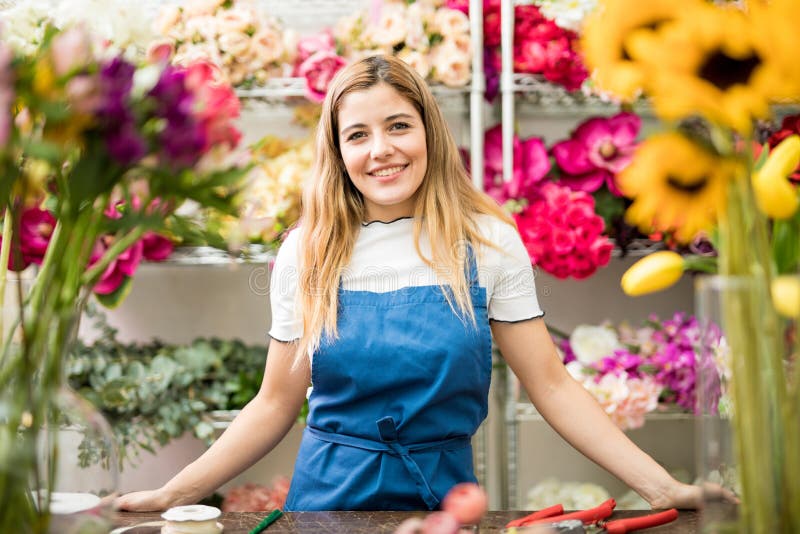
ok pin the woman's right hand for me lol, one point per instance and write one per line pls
(144, 501)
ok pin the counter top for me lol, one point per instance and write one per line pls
(373, 522)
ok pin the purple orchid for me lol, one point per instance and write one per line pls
(598, 149)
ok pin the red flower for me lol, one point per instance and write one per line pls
(563, 234)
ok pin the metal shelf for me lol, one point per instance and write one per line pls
(210, 256)
(291, 91)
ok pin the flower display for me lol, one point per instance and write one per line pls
(253, 497)
(562, 232)
(98, 156)
(713, 72)
(634, 371)
(271, 199)
(117, 26)
(433, 38)
(245, 44)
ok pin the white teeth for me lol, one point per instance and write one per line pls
(387, 172)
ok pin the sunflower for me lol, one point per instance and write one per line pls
(676, 186)
(777, 19)
(712, 61)
(605, 36)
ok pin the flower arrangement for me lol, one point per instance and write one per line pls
(634, 371)
(245, 44)
(271, 199)
(110, 150)
(565, 198)
(712, 72)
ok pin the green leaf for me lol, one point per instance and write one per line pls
(786, 245)
(45, 150)
(112, 300)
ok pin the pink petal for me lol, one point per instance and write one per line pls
(572, 156)
(589, 182)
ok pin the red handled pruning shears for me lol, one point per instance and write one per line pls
(596, 518)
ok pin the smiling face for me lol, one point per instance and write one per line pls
(383, 146)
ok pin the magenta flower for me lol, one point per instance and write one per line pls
(318, 70)
(598, 149)
(36, 229)
(156, 247)
(562, 233)
(122, 267)
(310, 45)
(531, 165)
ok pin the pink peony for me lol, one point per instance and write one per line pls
(563, 234)
(318, 70)
(310, 45)
(597, 150)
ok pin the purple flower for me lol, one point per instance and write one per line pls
(598, 149)
(126, 145)
(183, 139)
(491, 72)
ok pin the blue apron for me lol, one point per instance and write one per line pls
(396, 399)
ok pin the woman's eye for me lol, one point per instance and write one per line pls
(354, 136)
(400, 126)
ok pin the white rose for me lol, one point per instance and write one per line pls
(200, 8)
(593, 343)
(234, 20)
(417, 61)
(168, 18)
(451, 22)
(391, 28)
(236, 44)
(267, 45)
(451, 65)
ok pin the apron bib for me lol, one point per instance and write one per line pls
(395, 401)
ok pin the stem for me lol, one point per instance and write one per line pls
(5, 249)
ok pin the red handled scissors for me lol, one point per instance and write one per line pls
(596, 519)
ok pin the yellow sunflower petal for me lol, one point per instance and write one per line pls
(652, 273)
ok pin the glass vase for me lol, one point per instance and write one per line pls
(58, 461)
(747, 435)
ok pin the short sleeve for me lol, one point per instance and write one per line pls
(510, 281)
(287, 323)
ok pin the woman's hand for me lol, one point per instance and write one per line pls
(687, 496)
(145, 501)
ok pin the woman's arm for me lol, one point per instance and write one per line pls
(258, 428)
(578, 418)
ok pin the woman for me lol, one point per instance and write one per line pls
(385, 299)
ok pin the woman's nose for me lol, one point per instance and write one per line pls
(381, 147)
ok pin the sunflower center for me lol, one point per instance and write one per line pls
(724, 71)
(688, 186)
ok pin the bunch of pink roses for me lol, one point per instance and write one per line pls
(562, 232)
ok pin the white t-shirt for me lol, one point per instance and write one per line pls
(384, 259)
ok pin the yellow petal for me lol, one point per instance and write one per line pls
(786, 295)
(654, 272)
(775, 194)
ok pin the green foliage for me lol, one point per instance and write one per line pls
(152, 393)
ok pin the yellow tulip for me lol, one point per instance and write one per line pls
(775, 194)
(786, 295)
(652, 273)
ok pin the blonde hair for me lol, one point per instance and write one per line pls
(333, 209)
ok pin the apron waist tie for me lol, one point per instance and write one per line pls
(390, 444)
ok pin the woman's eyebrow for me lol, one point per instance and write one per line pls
(390, 118)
